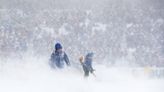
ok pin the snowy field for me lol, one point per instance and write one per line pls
(119, 32)
(34, 75)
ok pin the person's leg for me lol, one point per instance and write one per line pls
(86, 74)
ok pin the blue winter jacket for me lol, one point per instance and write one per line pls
(87, 65)
(59, 59)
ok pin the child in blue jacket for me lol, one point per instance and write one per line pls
(87, 64)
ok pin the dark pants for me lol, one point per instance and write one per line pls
(86, 71)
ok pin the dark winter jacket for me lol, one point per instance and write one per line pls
(87, 65)
(59, 59)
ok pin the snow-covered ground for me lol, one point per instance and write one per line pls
(35, 75)
(120, 33)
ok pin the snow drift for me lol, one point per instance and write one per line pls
(35, 75)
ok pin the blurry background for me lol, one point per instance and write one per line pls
(124, 32)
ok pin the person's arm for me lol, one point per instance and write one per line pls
(52, 59)
(66, 59)
(91, 68)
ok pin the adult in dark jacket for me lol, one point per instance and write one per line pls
(59, 58)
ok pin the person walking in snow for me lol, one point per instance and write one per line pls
(87, 64)
(59, 58)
